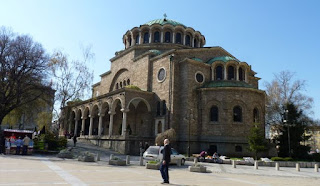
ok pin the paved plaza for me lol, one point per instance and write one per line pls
(49, 170)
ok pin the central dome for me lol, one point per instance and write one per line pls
(163, 22)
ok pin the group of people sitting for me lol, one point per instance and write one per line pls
(215, 157)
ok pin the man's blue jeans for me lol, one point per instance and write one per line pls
(164, 172)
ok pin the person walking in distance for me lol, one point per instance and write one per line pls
(164, 167)
(74, 140)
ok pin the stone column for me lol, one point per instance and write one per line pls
(140, 38)
(91, 125)
(192, 41)
(246, 76)
(75, 126)
(83, 119)
(124, 121)
(225, 72)
(150, 35)
(161, 37)
(173, 37)
(237, 73)
(100, 124)
(69, 127)
(184, 39)
(111, 122)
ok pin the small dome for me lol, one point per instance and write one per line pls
(163, 22)
(221, 58)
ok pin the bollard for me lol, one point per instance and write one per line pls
(128, 160)
(98, 156)
(195, 160)
(111, 156)
(316, 167)
(298, 167)
(277, 166)
(256, 164)
(234, 164)
(141, 161)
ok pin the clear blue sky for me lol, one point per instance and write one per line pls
(272, 35)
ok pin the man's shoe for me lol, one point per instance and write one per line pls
(165, 182)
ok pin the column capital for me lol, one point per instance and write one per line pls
(111, 113)
(101, 114)
(125, 110)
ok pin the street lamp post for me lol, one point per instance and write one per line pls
(286, 124)
(189, 118)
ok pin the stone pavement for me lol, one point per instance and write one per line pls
(49, 170)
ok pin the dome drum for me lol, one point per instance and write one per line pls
(163, 31)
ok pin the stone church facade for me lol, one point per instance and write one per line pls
(166, 78)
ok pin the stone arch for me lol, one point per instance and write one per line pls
(116, 77)
(95, 120)
(139, 118)
(116, 108)
(86, 114)
(104, 112)
(79, 121)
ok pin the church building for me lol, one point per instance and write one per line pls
(166, 78)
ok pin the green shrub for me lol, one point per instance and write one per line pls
(316, 157)
(153, 162)
(287, 159)
(281, 159)
(132, 87)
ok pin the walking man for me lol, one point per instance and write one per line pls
(164, 167)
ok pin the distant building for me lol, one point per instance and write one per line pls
(314, 141)
(166, 78)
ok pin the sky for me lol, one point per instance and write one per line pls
(271, 36)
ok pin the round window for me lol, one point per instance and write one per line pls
(199, 77)
(161, 74)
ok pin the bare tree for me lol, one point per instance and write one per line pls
(72, 79)
(282, 90)
(23, 71)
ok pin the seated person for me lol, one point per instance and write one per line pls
(216, 158)
(203, 155)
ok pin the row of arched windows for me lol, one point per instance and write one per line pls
(237, 114)
(232, 73)
(122, 84)
(168, 37)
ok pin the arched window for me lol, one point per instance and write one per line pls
(167, 37)
(195, 43)
(137, 39)
(178, 38)
(214, 113)
(241, 74)
(156, 37)
(158, 108)
(230, 73)
(130, 41)
(237, 114)
(164, 107)
(120, 84)
(117, 86)
(128, 81)
(146, 37)
(124, 83)
(256, 115)
(188, 40)
(219, 73)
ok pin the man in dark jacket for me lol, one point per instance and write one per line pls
(165, 162)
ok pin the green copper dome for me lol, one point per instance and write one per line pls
(163, 22)
(221, 58)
